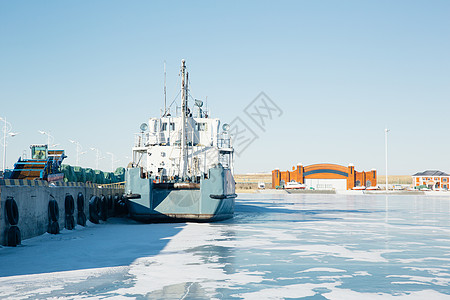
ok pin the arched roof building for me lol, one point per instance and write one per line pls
(326, 176)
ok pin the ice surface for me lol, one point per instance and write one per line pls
(277, 246)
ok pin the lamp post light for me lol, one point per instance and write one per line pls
(386, 153)
(49, 138)
(98, 156)
(7, 127)
(112, 160)
(79, 152)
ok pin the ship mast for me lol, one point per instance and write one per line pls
(184, 95)
(165, 94)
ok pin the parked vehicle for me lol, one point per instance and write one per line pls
(294, 185)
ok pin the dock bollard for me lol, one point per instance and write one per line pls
(13, 235)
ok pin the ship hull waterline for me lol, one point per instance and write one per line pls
(214, 200)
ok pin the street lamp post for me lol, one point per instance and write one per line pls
(7, 127)
(79, 148)
(49, 138)
(386, 153)
(112, 160)
(98, 156)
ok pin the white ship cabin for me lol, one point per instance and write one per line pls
(159, 152)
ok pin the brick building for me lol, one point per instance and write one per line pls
(433, 179)
(326, 176)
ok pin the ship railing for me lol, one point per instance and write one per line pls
(141, 139)
(147, 138)
(116, 185)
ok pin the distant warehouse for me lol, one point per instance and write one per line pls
(326, 177)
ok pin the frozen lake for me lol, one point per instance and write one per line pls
(277, 247)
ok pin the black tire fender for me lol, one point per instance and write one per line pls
(103, 208)
(53, 210)
(94, 209)
(116, 200)
(123, 205)
(110, 202)
(12, 211)
(80, 202)
(53, 227)
(69, 205)
(81, 219)
(70, 222)
(13, 236)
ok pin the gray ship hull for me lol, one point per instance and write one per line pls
(213, 200)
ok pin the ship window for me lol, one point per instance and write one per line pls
(202, 126)
(444, 179)
(164, 126)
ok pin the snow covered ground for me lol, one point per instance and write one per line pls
(276, 247)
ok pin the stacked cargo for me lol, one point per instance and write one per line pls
(79, 174)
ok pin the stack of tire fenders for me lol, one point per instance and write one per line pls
(69, 209)
(81, 217)
(13, 235)
(53, 216)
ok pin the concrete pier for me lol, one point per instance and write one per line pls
(33, 197)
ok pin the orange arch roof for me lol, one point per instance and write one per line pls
(326, 171)
(326, 166)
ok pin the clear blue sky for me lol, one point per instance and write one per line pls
(341, 71)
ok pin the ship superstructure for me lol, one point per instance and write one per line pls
(183, 164)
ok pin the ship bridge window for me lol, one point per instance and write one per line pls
(202, 126)
(164, 126)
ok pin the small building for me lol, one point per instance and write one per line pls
(326, 177)
(432, 179)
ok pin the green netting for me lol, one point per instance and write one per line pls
(99, 177)
(69, 174)
(113, 178)
(120, 174)
(110, 177)
(80, 173)
(89, 174)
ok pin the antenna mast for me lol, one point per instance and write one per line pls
(165, 95)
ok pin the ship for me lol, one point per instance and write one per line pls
(182, 165)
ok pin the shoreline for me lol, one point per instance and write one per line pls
(344, 192)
